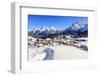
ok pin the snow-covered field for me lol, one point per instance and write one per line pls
(60, 52)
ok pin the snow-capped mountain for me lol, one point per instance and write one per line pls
(77, 26)
(45, 32)
(76, 29)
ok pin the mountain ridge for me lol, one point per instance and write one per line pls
(76, 30)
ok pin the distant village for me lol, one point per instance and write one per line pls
(60, 40)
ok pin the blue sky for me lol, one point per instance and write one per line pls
(37, 21)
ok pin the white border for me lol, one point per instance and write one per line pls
(19, 63)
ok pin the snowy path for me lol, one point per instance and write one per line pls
(60, 52)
